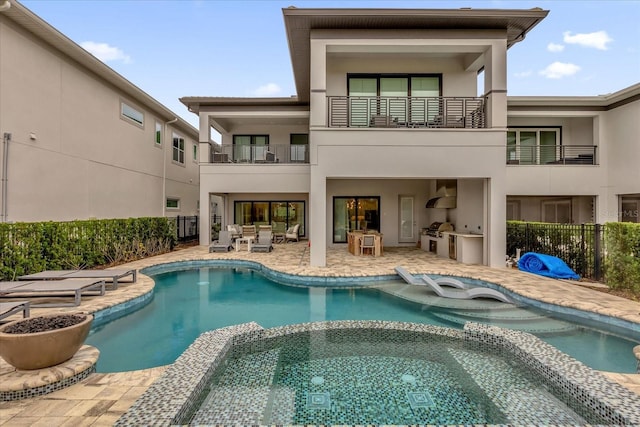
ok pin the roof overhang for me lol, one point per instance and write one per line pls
(592, 103)
(300, 22)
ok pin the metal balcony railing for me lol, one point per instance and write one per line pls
(552, 154)
(273, 153)
(407, 111)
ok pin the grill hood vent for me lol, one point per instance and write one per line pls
(445, 198)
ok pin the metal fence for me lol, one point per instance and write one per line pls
(187, 228)
(581, 246)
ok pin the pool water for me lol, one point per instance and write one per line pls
(189, 302)
(379, 377)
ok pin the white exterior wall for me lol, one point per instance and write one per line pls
(622, 130)
(85, 161)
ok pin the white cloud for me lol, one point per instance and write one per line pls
(269, 89)
(554, 47)
(523, 73)
(597, 40)
(558, 70)
(105, 53)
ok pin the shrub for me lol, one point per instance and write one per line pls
(622, 263)
(31, 247)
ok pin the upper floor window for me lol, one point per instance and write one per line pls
(248, 148)
(533, 146)
(195, 152)
(132, 114)
(387, 96)
(178, 148)
(299, 147)
(157, 137)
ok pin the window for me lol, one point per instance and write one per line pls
(513, 210)
(173, 203)
(248, 148)
(158, 134)
(630, 208)
(195, 152)
(557, 211)
(132, 114)
(178, 148)
(299, 147)
(354, 213)
(405, 97)
(533, 146)
(280, 214)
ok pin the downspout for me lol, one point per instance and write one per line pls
(5, 176)
(164, 166)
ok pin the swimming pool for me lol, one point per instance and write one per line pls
(189, 302)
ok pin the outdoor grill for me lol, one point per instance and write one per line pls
(436, 228)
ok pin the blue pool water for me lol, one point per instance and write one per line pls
(189, 302)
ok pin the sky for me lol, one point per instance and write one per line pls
(172, 49)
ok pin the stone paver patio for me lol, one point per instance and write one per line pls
(101, 398)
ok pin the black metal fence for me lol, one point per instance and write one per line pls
(581, 246)
(187, 228)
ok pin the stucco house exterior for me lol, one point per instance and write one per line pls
(387, 132)
(79, 140)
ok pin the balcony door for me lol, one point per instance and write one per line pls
(250, 148)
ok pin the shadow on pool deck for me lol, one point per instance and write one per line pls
(102, 398)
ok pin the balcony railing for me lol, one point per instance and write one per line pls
(552, 154)
(407, 111)
(273, 153)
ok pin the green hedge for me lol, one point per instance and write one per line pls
(35, 246)
(623, 256)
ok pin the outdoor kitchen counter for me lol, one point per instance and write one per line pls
(464, 247)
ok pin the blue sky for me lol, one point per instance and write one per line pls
(181, 48)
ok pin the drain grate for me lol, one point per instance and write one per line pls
(419, 399)
(318, 401)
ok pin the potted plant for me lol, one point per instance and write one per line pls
(43, 341)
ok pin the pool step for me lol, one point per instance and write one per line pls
(542, 325)
(523, 401)
(236, 399)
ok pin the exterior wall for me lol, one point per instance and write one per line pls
(622, 130)
(83, 160)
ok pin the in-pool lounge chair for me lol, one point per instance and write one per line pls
(9, 308)
(112, 274)
(53, 289)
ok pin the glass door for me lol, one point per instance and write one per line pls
(354, 213)
(406, 234)
(363, 94)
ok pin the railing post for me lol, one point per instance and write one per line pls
(597, 245)
(582, 250)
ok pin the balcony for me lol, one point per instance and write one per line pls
(263, 154)
(552, 154)
(410, 112)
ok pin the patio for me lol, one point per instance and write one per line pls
(102, 398)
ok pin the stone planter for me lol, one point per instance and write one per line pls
(39, 350)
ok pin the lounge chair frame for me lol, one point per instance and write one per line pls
(54, 289)
(113, 274)
(9, 308)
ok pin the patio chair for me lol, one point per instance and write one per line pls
(9, 308)
(264, 242)
(234, 230)
(292, 233)
(368, 242)
(223, 244)
(110, 274)
(249, 231)
(53, 289)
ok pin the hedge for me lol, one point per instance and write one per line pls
(622, 263)
(35, 246)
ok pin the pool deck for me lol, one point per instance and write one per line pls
(100, 399)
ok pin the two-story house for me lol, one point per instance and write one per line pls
(387, 132)
(79, 140)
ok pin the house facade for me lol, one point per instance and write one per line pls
(79, 140)
(387, 133)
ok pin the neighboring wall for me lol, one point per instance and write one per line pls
(621, 127)
(72, 155)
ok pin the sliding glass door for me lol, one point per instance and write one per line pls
(354, 213)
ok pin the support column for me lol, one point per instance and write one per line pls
(496, 222)
(318, 218)
(318, 84)
(205, 217)
(495, 84)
